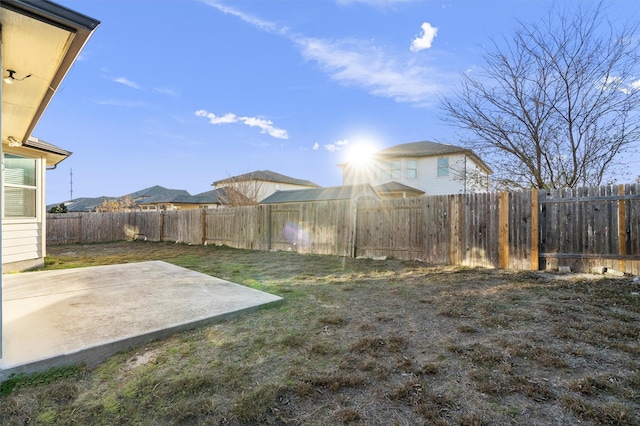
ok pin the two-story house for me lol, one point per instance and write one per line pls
(420, 168)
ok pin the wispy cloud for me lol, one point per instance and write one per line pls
(336, 146)
(166, 91)
(127, 82)
(119, 102)
(377, 3)
(316, 146)
(358, 63)
(265, 126)
(250, 19)
(424, 40)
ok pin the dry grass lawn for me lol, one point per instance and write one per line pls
(361, 342)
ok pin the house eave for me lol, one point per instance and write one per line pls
(79, 28)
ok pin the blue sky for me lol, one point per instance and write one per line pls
(181, 93)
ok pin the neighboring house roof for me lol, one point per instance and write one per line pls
(267, 176)
(54, 154)
(391, 187)
(84, 204)
(429, 149)
(157, 194)
(215, 196)
(420, 149)
(321, 194)
(152, 195)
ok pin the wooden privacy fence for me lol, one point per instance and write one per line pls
(526, 230)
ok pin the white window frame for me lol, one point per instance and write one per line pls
(37, 189)
(414, 169)
(391, 169)
(443, 170)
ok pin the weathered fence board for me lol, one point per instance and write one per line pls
(581, 228)
(591, 227)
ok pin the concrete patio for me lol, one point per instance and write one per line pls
(85, 315)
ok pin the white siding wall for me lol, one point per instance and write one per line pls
(21, 241)
(427, 177)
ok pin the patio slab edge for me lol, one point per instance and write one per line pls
(93, 356)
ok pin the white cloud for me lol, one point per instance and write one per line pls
(256, 22)
(424, 40)
(354, 62)
(127, 82)
(316, 146)
(336, 146)
(265, 126)
(359, 63)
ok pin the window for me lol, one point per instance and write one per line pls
(19, 186)
(391, 170)
(443, 166)
(412, 169)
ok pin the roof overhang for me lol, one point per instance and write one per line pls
(41, 39)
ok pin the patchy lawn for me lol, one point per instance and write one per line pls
(361, 342)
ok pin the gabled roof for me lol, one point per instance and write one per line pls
(421, 149)
(84, 204)
(393, 186)
(429, 149)
(266, 176)
(321, 194)
(157, 194)
(215, 196)
(154, 195)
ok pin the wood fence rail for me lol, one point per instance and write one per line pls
(528, 230)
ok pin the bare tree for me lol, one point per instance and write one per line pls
(123, 204)
(557, 104)
(241, 191)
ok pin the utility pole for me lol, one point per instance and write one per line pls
(71, 184)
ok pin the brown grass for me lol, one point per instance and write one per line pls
(362, 342)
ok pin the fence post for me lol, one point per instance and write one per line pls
(622, 229)
(503, 235)
(203, 218)
(161, 225)
(353, 229)
(455, 223)
(535, 230)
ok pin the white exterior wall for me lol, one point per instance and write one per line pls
(427, 178)
(24, 239)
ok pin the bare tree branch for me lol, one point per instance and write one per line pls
(557, 103)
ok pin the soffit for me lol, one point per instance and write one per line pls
(29, 46)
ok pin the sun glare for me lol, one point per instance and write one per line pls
(360, 155)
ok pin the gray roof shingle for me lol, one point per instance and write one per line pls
(267, 176)
(319, 194)
(420, 149)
